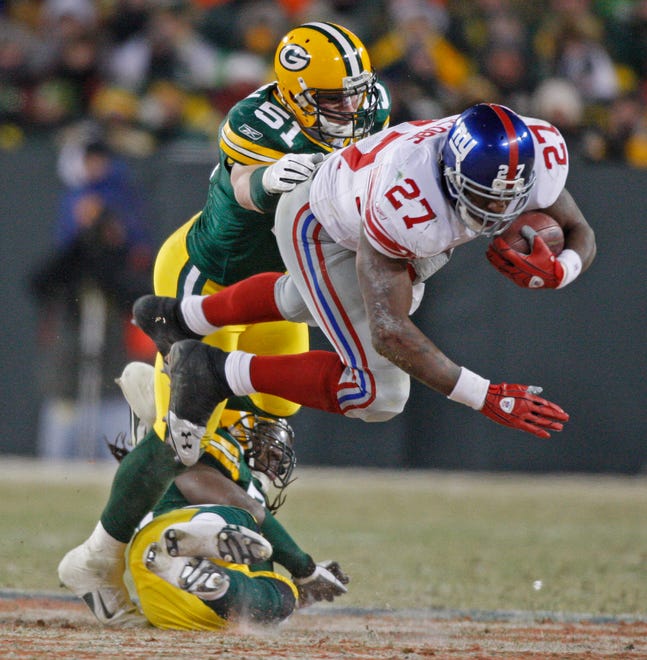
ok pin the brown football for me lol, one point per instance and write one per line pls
(543, 224)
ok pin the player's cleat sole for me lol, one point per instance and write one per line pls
(194, 575)
(185, 438)
(98, 581)
(159, 318)
(198, 385)
(232, 543)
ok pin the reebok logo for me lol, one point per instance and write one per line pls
(250, 132)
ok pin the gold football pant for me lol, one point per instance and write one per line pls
(167, 606)
(175, 276)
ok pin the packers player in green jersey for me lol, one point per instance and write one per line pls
(325, 96)
(202, 566)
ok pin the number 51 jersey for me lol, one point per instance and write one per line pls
(391, 183)
(228, 243)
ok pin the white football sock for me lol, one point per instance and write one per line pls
(237, 372)
(101, 541)
(191, 310)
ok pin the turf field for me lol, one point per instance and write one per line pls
(453, 550)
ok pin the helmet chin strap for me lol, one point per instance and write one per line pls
(479, 225)
(336, 130)
(316, 133)
(468, 219)
(263, 478)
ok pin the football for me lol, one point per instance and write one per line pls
(543, 224)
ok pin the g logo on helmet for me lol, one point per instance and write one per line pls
(294, 57)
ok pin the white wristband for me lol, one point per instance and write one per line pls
(470, 389)
(572, 263)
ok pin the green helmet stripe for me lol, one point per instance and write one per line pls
(348, 50)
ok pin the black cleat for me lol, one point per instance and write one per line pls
(159, 317)
(198, 385)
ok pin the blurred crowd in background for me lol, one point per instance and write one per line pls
(150, 72)
(109, 81)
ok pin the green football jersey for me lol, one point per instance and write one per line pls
(224, 454)
(228, 243)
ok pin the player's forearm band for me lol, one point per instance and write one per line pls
(572, 263)
(470, 389)
(263, 200)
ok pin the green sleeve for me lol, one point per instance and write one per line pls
(286, 551)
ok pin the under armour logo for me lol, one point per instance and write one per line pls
(187, 436)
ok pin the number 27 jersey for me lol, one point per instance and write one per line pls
(391, 184)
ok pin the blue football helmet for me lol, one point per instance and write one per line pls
(489, 156)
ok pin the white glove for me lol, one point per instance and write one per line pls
(326, 582)
(289, 170)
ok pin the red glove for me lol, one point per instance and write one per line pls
(538, 270)
(518, 406)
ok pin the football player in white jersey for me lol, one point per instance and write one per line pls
(378, 218)
(359, 239)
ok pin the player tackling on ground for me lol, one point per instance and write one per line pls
(201, 566)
